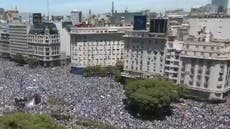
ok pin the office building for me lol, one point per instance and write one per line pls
(18, 39)
(222, 5)
(92, 46)
(44, 44)
(76, 17)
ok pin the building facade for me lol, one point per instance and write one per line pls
(18, 39)
(102, 46)
(144, 54)
(201, 62)
(205, 57)
(44, 44)
(76, 17)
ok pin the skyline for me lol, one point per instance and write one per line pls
(63, 7)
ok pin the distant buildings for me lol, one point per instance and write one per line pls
(76, 17)
(92, 46)
(124, 17)
(222, 5)
(216, 8)
(206, 10)
(12, 15)
(40, 41)
(26, 17)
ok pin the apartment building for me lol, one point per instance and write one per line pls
(44, 44)
(144, 54)
(92, 46)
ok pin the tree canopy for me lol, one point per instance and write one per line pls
(151, 98)
(19, 59)
(27, 121)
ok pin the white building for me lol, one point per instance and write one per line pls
(44, 44)
(76, 17)
(144, 54)
(205, 58)
(102, 46)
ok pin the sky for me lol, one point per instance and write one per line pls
(63, 7)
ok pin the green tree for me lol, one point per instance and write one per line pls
(151, 98)
(27, 121)
(32, 62)
(19, 59)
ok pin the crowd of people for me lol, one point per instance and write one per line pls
(97, 98)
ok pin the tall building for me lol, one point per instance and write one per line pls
(18, 39)
(94, 46)
(76, 17)
(222, 5)
(44, 44)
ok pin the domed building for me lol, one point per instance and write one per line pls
(44, 44)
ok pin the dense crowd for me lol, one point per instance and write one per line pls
(97, 98)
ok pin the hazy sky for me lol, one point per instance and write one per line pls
(98, 6)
